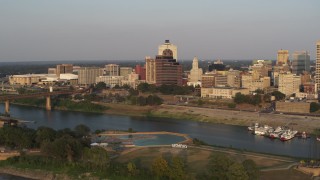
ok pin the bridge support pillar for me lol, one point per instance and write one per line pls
(7, 107)
(48, 103)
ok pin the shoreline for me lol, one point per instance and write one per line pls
(208, 115)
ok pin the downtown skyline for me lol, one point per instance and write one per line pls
(113, 30)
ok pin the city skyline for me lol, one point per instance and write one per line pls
(113, 30)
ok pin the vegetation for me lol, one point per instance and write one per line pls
(278, 95)
(68, 152)
(250, 99)
(142, 101)
(314, 107)
(221, 167)
(166, 89)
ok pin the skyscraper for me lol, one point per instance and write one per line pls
(112, 70)
(300, 62)
(64, 69)
(168, 49)
(87, 75)
(196, 72)
(283, 57)
(318, 67)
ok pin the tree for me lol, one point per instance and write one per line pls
(132, 169)
(237, 172)
(278, 95)
(64, 148)
(314, 107)
(96, 158)
(251, 169)
(160, 167)
(81, 130)
(218, 166)
(141, 101)
(45, 134)
(177, 169)
(100, 86)
(239, 98)
(143, 87)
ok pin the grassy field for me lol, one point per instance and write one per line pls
(197, 159)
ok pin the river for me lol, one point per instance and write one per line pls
(214, 134)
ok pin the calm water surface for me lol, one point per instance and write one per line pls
(214, 134)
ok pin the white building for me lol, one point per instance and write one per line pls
(250, 83)
(110, 81)
(223, 93)
(289, 83)
(195, 73)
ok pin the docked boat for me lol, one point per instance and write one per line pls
(253, 127)
(264, 130)
(287, 135)
(276, 133)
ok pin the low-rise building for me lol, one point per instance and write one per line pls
(293, 107)
(110, 81)
(222, 92)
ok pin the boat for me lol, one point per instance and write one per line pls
(287, 135)
(277, 132)
(265, 130)
(252, 127)
(318, 138)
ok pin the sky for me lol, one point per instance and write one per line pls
(49, 30)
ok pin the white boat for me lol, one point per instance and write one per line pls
(263, 130)
(277, 132)
(253, 127)
(287, 135)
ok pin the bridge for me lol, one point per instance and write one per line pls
(48, 95)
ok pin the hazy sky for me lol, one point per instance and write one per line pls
(131, 29)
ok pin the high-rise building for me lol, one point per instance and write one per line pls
(87, 75)
(112, 70)
(141, 71)
(289, 83)
(300, 62)
(64, 69)
(196, 72)
(318, 67)
(167, 71)
(125, 71)
(168, 49)
(150, 70)
(283, 57)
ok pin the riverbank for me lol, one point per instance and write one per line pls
(230, 117)
(208, 115)
(33, 174)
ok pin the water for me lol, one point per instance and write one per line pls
(11, 177)
(214, 134)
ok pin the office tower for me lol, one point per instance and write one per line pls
(167, 71)
(168, 49)
(150, 70)
(125, 71)
(141, 71)
(283, 57)
(87, 75)
(289, 83)
(64, 69)
(318, 67)
(112, 70)
(196, 72)
(300, 62)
